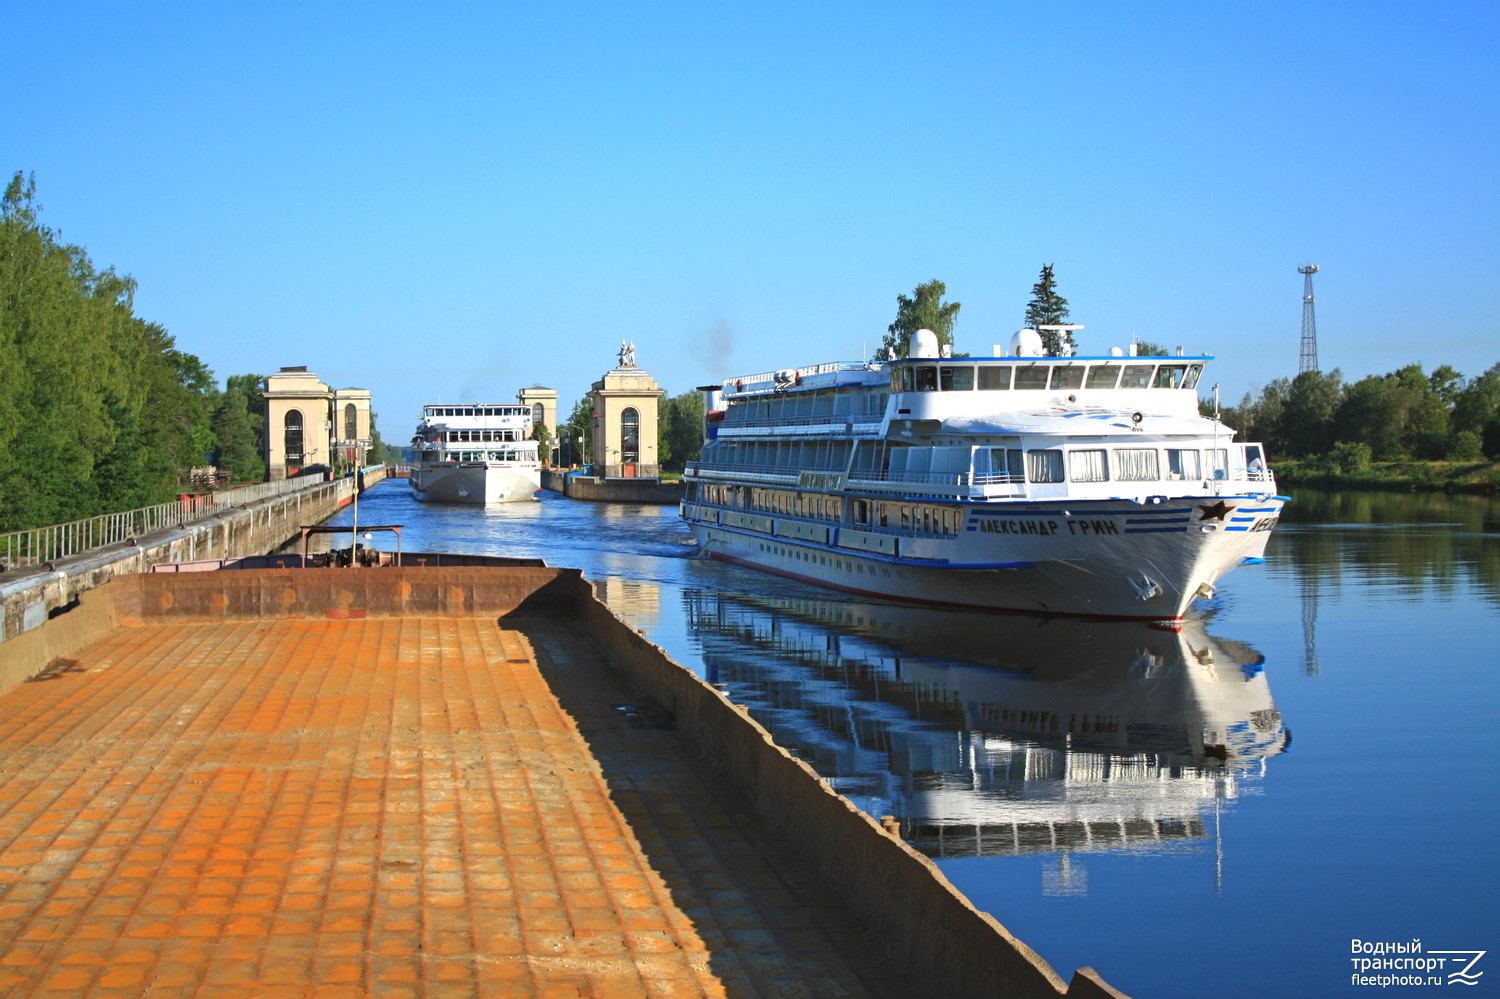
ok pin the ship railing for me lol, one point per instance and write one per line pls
(40, 545)
(804, 370)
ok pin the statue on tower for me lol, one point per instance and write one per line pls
(627, 354)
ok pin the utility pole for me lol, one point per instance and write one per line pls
(1309, 322)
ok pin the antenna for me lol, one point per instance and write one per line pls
(1309, 322)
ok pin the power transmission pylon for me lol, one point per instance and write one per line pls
(1309, 322)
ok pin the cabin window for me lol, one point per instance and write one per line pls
(1193, 373)
(1137, 376)
(956, 377)
(1182, 464)
(1103, 376)
(1044, 466)
(1067, 376)
(1033, 376)
(926, 377)
(1136, 464)
(1170, 375)
(1218, 462)
(993, 377)
(1088, 466)
(630, 436)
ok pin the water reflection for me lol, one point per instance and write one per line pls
(996, 735)
(1396, 545)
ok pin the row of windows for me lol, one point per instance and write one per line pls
(925, 518)
(480, 436)
(813, 505)
(478, 410)
(1124, 464)
(915, 518)
(490, 456)
(956, 377)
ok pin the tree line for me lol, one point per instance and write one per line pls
(1407, 414)
(99, 410)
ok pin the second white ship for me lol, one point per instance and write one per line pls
(475, 454)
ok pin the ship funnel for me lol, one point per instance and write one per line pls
(923, 343)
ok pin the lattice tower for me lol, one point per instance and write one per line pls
(1309, 322)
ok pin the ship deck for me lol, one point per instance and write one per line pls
(413, 806)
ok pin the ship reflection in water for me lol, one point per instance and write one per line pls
(990, 735)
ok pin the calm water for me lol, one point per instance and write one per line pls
(1215, 812)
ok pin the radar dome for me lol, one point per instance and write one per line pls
(923, 343)
(1026, 343)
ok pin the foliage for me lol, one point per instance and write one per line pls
(1408, 415)
(924, 310)
(578, 427)
(1350, 458)
(1048, 308)
(680, 430)
(1148, 348)
(98, 409)
(543, 441)
(1466, 446)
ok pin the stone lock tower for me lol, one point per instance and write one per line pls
(627, 405)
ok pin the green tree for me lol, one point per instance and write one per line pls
(924, 310)
(1048, 308)
(680, 430)
(237, 449)
(1307, 413)
(98, 409)
(576, 435)
(1147, 348)
(543, 441)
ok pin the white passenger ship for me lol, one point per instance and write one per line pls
(475, 454)
(1067, 485)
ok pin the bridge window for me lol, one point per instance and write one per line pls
(1033, 376)
(955, 377)
(926, 377)
(1103, 376)
(1170, 375)
(1067, 376)
(993, 377)
(1137, 376)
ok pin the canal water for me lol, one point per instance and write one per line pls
(1220, 811)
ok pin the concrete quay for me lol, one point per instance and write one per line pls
(434, 781)
(575, 485)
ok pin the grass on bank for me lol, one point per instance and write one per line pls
(1328, 472)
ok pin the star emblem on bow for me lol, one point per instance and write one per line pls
(1216, 512)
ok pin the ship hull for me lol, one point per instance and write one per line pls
(477, 483)
(1112, 559)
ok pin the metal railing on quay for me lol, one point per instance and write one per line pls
(40, 545)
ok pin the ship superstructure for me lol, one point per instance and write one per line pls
(1077, 485)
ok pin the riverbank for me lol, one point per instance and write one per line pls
(1477, 477)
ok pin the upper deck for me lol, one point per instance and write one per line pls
(967, 396)
(478, 416)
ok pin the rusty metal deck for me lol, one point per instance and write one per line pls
(399, 807)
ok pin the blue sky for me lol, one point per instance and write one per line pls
(451, 202)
